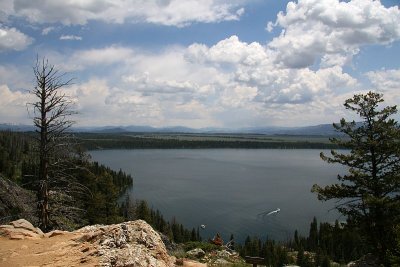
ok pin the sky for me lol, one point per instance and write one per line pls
(201, 63)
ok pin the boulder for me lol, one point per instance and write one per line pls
(20, 229)
(223, 254)
(196, 253)
(132, 243)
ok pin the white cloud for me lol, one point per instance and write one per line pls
(6, 8)
(388, 83)
(230, 50)
(107, 55)
(13, 105)
(332, 30)
(12, 39)
(95, 59)
(207, 83)
(165, 12)
(18, 78)
(116, 106)
(71, 37)
(229, 84)
(47, 30)
(385, 79)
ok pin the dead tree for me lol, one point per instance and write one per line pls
(52, 118)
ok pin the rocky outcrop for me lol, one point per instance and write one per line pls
(127, 244)
(20, 229)
(132, 243)
(221, 257)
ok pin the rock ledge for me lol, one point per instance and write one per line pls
(133, 243)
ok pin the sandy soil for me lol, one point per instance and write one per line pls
(59, 250)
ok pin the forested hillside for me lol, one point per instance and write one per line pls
(97, 201)
(122, 140)
(101, 186)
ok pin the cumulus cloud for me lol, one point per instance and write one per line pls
(71, 37)
(331, 30)
(83, 59)
(13, 105)
(388, 83)
(208, 82)
(164, 12)
(253, 66)
(230, 50)
(385, 79)
(12, 39)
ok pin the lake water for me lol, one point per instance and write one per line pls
(226, 189)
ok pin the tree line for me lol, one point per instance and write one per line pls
(93, 141)
(325, 243)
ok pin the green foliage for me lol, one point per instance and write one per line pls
(339, 242)
(395, 253)
(369, 193)
(205, 246)
(98, 203)
(106, 187)
(15, 151)
(274, 254)
(172, 229)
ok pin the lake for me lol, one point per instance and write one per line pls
(227, 189)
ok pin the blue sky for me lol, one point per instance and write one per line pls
(202, 63)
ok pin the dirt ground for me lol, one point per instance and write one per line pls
(59, 250)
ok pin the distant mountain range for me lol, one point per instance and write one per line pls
(322, 129)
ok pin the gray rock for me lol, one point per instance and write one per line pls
(132, 243)
(196, 253)
(221, 261)
(223, 254)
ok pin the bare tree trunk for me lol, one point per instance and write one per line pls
(52, 111)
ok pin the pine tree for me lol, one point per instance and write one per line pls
(370, 192)
(313, 236)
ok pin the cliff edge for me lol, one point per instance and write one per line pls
(133, 243)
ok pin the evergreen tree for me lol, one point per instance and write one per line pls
(296, 240)
(313, 236)
(370, 192)
(143, 212)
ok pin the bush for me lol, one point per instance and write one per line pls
(207, 247)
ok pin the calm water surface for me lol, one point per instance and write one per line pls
(226, 189)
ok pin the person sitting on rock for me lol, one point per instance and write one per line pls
(217, 240)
